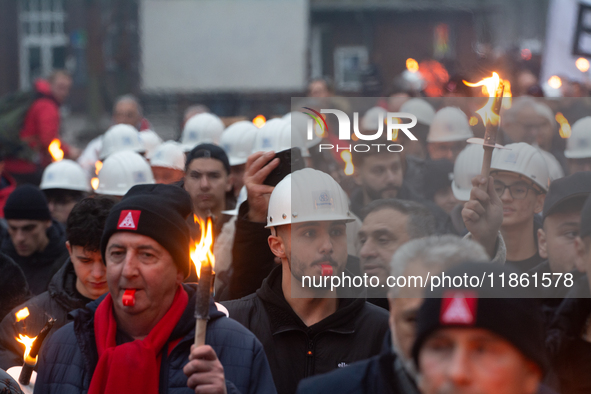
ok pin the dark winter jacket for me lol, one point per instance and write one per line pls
(570, 355)
(354, 332)
(252, 259)
(60, 298)
(14, 289)
(40, 267)
(70, 357)
(381, 374)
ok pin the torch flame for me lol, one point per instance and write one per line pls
(55, 150)
(555, 82)
(582, 64)
(22, 314)
(490, 86)
(507, 96)
(94, 182)
(259, 121)
(98, 165)
(348, 159)
(412, 65)
(28, 342)
(202, 251)
(565, 130)
(473, 121)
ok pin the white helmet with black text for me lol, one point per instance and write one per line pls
(522, 159)
(202, 128)
(65, 174)
(121, 171)
(121, 137)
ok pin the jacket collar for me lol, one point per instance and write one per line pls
(62, 288)
(283, 318)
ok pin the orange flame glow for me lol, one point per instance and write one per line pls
(55, 150)
(565, 130)
(490, 86)
(348, 159)
(94, 182)
(555, 82)
(507, 96)
(98, 165)
(22, 314)
(473, 121)
(202, 251)
(582, 64)
(259, 121)
(412, 65)
(28, 342)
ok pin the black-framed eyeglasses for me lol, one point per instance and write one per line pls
(518, 191)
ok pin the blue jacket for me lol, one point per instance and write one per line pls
(69, 358)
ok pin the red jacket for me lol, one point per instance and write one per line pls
(7, 186)
(41, 126)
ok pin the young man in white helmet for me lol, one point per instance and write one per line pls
(521, 181)
(306, 330)
(448, 133)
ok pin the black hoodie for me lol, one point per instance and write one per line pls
(40, 267)
(60, 299)
(295, 351)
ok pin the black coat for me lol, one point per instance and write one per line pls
(354, 332)
(40, 267)
(14, 289)
(60, 298)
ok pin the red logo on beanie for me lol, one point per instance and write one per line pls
(128, 219)
(458, 307)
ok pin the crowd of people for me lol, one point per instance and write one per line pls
(101, 241)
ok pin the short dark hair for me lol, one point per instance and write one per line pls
(421, 222)
(64, 196)
(86, 222)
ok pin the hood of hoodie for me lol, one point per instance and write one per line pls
(62, 288)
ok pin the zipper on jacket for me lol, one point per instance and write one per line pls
(310, 358)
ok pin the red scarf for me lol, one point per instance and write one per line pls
(133, 367)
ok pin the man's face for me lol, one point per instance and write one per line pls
(166, 175)
(445, 150)
(556, 240)
(380, 176)
(127, 112)
(237, 177)
(381, 234)
(28, 236)
(518, 211)
(445, 199)
(60, 87)
(91, 273)
(308, 245)
(207, 182)
(579, 165)
(403, 322)
(135, 261)
(318, 89)
(531, 127)
(60, 209)
(474, 360)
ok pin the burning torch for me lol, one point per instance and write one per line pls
(490, 115)
(204, 260)
(32, 346)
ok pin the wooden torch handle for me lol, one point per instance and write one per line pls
(200, 330)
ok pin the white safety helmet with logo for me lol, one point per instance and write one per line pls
(202, 128)
(450, 124)
(276, 135)
(468, 164)
(65, 174)
(578, 146)
(150, 140)
(120, 137)
(237, 141)
(424, 111)
(169, 154)
(307, 195)
(299, 123)
(523, 159)
(121, 171)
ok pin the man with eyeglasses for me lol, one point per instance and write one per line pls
(521, 181)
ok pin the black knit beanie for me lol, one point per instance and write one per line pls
(26, 202)
(156, 211)
(517, 320)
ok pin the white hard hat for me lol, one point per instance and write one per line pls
(523, 159)
(468, 164)
(299, 123)
(237, 140)
(578, 146)
(202, 128)
(276, 135)
(120, 137)
(449, 124)
(554, 169)
(121, 171)
(372, 117)
(150, 140)
(169, 154)
(305, 196)
(65, 174)
(424, 111)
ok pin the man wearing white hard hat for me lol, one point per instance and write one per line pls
(121, 137)
(307, 330)
(448, 133)
(202, 128)
(168, 162)
(578, 146)
(521, 180)
(121, 171)
(64, 184)
(237, 140)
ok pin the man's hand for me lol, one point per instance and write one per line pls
(258, 194)
(483, 214)
(204, 370)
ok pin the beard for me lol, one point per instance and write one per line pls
(298, 269)
(388, 191)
